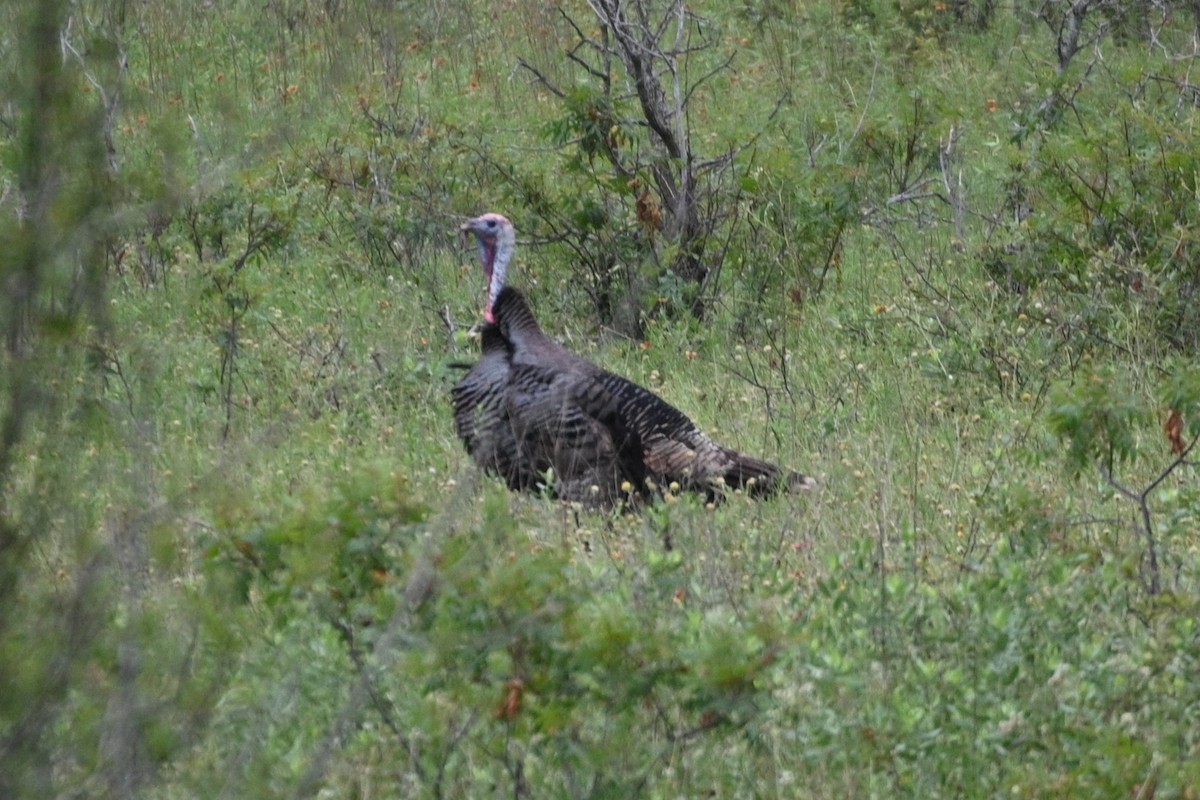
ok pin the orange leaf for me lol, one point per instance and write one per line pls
(511, 705)
(1173, 428)
(648, 213)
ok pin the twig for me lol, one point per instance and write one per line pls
(862, 118)
(1140, 498)
(544, 81)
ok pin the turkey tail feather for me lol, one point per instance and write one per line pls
(767, 478)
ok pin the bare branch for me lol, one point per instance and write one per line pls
(862, 118)
(1121, 488)
(913, 193)
(1180, 460)
(952, 179)
(1146, 527)
(687, 98)
(636, 57)
(544, 81)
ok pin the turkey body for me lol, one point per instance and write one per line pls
(481, 415)
(537, 415)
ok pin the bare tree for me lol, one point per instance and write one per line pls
(1078, 26)
(644, 59)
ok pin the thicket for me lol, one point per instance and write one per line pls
(941, 254)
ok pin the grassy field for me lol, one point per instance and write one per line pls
(946, 262)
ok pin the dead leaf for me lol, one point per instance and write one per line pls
(511, 705)
(648, 213)
(1173, 428)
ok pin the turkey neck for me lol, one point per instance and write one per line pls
(503, 247)
(515, 320)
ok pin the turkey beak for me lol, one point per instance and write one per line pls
(465, 230)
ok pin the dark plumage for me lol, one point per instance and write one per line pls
(530, 406)
(481, 414)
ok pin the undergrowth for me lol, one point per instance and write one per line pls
(940, 256)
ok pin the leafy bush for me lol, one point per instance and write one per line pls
(484, 656)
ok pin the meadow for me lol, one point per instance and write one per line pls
(942, 256)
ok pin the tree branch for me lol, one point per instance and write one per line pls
(544, 81)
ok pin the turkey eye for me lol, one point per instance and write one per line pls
(491, 223)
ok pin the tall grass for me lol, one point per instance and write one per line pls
(243, 554)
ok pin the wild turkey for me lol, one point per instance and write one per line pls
(531, 407)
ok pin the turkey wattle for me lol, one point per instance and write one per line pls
(531, 409)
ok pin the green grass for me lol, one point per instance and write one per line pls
(273, 570)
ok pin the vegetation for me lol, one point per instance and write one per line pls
(941, 255)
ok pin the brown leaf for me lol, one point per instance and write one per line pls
(1173, 428)
(648, 213)
(511, 705)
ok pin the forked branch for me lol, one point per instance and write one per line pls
(1153, 580)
